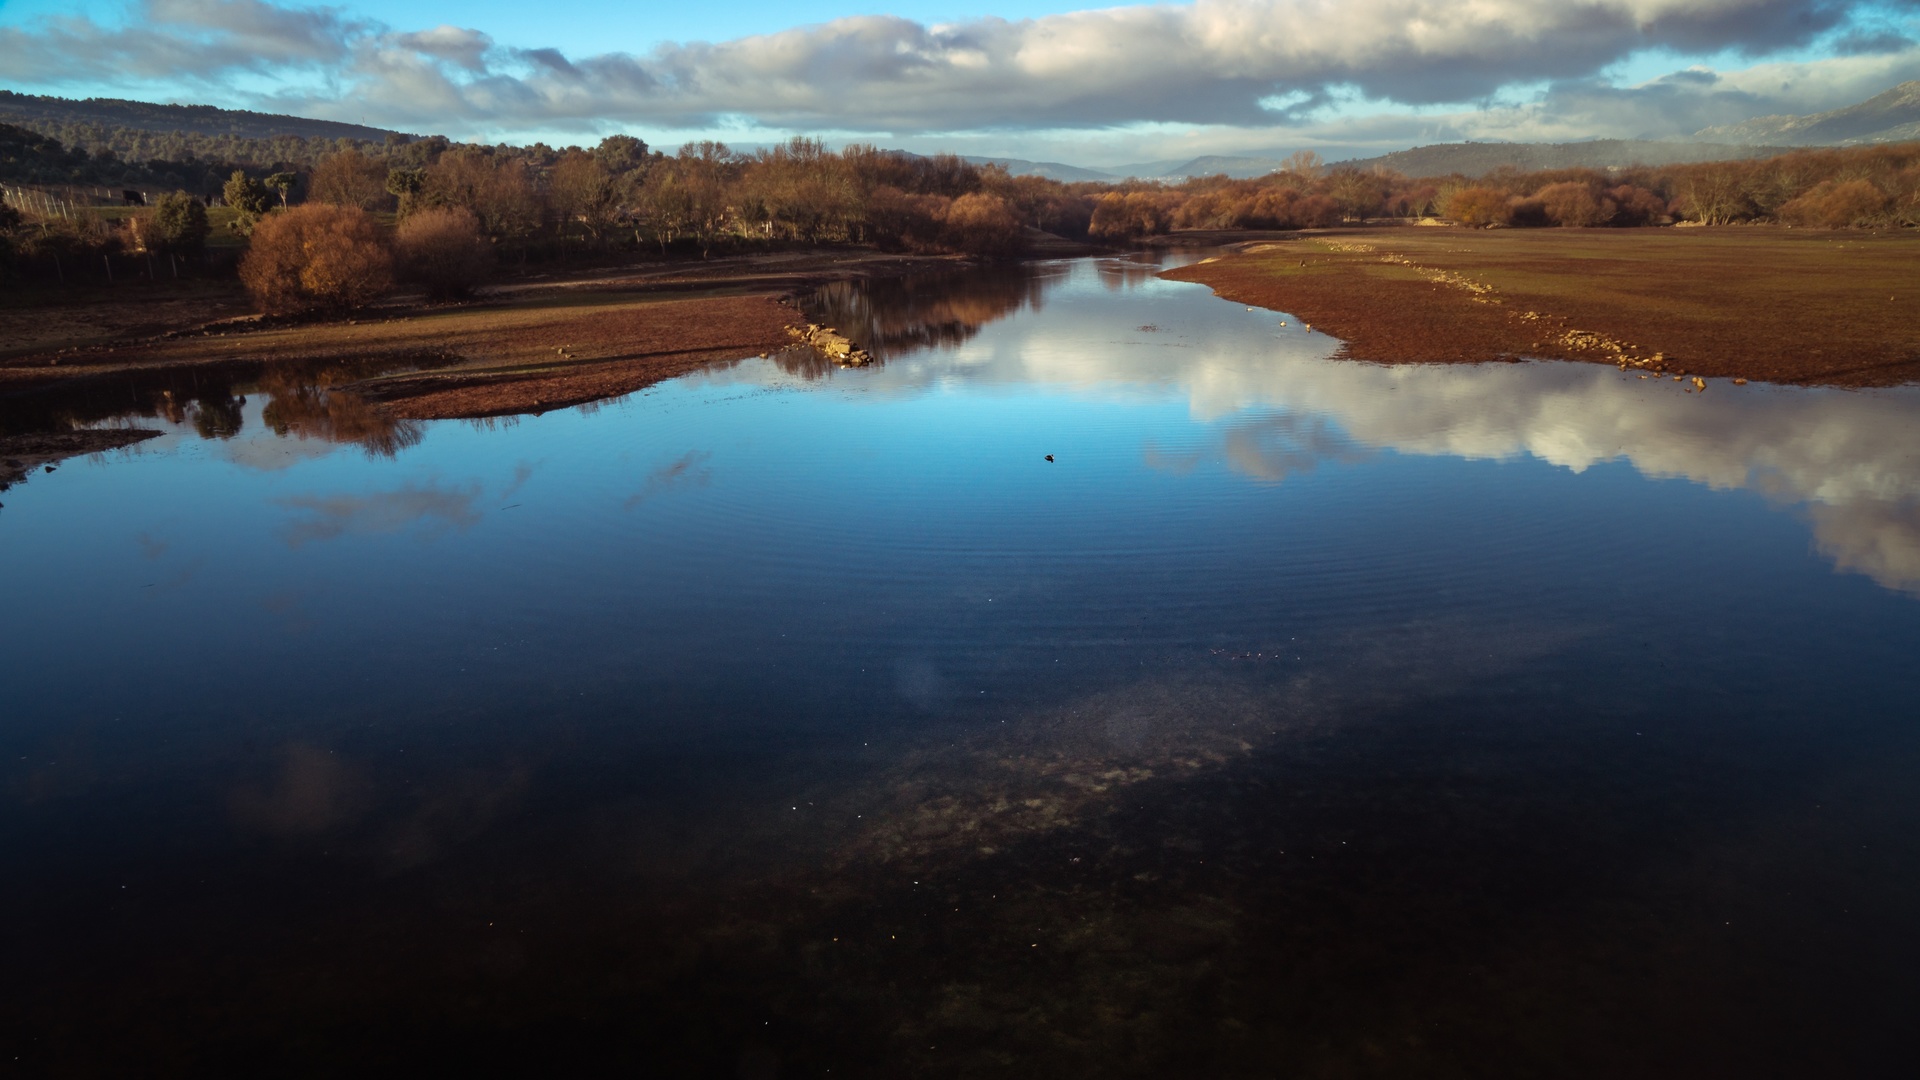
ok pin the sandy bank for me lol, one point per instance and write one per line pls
(1788, 306)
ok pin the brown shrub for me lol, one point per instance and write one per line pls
(1836, 205)
(1316, 212)
(443, 249)
(1573, 205)
(1269, 208)
(1637, 206)
(498, 189)
(1478, 206)
(983, 225)
(1526, 213)
(1120, 216)
(316, 256)
(901, 221)
(349, 178)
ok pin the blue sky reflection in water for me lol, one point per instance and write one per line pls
(1301, 714)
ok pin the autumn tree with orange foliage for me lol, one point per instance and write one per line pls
(349, 178)
(443, 250)
(1573, 205)
(498, 188)
(1131, 215)
(981, 224)
(1478, 206)
(1836, 205)
(316, 257)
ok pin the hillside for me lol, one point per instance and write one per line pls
(1240, 168)
(1890, 117)
(1050, 170)
(1478, 159)
(40, 113)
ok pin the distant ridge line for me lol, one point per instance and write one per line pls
(35, 109)
(1478, 159)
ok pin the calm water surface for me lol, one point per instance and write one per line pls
(1300, 717)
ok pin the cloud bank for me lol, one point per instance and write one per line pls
(1246, 65)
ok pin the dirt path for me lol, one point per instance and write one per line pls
(1788, 306)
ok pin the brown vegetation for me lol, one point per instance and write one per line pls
(443, 250)
(316, 257)
(982, 224)
(1784, 306)
(540, 204)
(350, 178)
(537, 352)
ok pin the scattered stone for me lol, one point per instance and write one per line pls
(833, 345)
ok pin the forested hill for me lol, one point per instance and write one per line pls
(1479, 159)
(38, 113)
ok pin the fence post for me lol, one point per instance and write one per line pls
(108, 259)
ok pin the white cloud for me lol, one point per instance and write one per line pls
(1208, 65)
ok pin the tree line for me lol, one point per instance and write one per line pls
(1862, 187)
(484, 204)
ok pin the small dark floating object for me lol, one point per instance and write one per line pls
(1049, 457)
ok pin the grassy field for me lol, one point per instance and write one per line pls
(1763, 303)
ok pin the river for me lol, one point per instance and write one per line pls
(1107, 681)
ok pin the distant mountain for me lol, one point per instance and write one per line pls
(39, 113)
(1174, 170)
(1478, 159)
(1890, 117)
(1240, 168)
(1143, 170)
(1051, 170)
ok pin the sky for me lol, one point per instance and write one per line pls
(1039, 79)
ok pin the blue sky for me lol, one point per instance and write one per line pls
(1044, 79)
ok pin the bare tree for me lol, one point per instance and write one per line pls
(349, 178)
(1305, 164)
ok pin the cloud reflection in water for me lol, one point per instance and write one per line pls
(1280, 404)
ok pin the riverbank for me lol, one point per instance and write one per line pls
(1807, 307)
(526, 345)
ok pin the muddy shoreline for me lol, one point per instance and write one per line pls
(524, 346)
(20, 455)
(1793, 306)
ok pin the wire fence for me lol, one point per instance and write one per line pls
(64, 201)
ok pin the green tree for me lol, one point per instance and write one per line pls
(406, 185)
(621, 154)
(282, 182)
(248, 198)
(180, 224)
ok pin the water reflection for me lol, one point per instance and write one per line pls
(213, 402)
(429, 505)
(303, 406)
(1277, 403)
(893, 316)
(828, 728)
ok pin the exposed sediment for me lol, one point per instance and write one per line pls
(832, 344)
(1787, 306)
